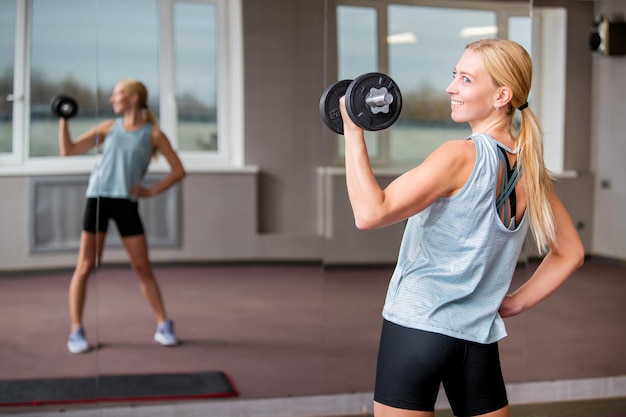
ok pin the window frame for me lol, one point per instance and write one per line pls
(230, 97)
(383, 159)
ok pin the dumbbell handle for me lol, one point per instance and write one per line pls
(379, 99)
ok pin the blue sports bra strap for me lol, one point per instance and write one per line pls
(503, 161)
(507, 188)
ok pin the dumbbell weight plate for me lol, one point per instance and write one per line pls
(369, 116)
(329, 105)
(64, 106)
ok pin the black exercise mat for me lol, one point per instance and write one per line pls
(198, 385)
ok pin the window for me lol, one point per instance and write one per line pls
(357, 32)
(81, 48)
(195, 43)
(421, 46)
(105, 46)
(7, 47)
(549, 41)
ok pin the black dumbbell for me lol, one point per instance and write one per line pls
(373, 102)
(64, 106)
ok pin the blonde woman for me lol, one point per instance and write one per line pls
(129, 143)
(469, 206)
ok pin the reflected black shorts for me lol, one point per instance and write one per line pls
(124, 212)
(413, 363)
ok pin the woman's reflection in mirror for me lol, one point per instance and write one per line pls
(129, 143)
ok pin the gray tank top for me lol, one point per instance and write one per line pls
(125, 159)
(457, 258)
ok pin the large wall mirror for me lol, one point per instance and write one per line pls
(258, 262)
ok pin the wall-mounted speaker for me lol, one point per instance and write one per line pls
(608, 38)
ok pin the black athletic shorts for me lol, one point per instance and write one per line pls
(124, 212)
(413, 363)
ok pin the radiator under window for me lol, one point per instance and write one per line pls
(56, 215)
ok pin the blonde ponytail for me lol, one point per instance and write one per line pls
(536, 179)
(150, 117)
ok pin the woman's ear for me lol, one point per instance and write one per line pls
(503, 97)
(134, 99)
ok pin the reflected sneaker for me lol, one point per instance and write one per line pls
(165, 334)
(77, 343)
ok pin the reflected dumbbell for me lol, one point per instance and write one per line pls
(373, 102)
(64, 106)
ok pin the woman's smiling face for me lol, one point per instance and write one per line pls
(120, 99)
(472, 92)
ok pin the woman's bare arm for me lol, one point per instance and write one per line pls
(566, 255)
(177, 171)
(85, 142)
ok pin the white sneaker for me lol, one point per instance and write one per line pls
(77, 343)
(165, 334)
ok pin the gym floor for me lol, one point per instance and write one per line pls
(297, 330)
